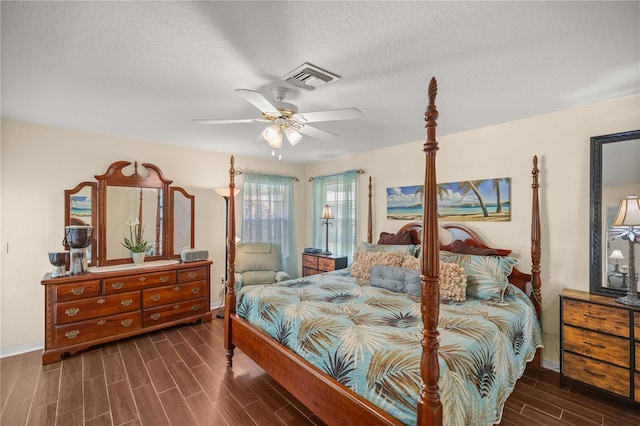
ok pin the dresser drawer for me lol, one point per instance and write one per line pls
(137, 282)
(309, 262)
(195, 274)
(597, 373)
(94, 307)
(636, 326)
(81, 290)
(308, 271)
(167, 313)
(597, 345)
(97, 328)
(637, 387)
(638, 357)
(172, 294)
(326, 264)
(596, 317)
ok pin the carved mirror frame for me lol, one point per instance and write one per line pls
(597, 238)
(81, 218)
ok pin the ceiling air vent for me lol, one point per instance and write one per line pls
(310, 77)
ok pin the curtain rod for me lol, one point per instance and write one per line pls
(295, 178)
(359, 171)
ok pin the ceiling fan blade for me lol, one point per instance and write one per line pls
(259, 101)
(331, 115)
(317, 133)
(223, 121)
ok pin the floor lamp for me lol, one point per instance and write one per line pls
(224, 193)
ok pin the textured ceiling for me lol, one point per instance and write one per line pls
(143, 70)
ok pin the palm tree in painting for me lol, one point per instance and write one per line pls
(495, 183)
(472, 186)
(441, 190)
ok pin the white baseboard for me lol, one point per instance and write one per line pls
(21, 349)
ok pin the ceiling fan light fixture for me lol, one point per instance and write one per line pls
(292, 136)
(271, 133)
(276, 142)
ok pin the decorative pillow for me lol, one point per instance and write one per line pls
(411, 262)
(386, 248)
(487, 276)
(453, 282)
(363, 261)
(396, 279)
(401, 238)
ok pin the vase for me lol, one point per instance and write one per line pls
(138, 258)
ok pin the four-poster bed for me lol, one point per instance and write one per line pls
(335, 403)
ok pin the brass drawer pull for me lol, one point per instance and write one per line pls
(195, 308)
(126, 302)
(72, 312)
(77, 291)
(155, 317)
(192, 274)
(176, 306)
(118, 285)
(155, 297)
(127, 322)
(176, 288)
(72, 334)
(195, 290)
(594, 374)
(142, 279)
(100, 301)
(101, 322)
(164, 279)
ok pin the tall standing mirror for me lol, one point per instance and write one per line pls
(615, 174)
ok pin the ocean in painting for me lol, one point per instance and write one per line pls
(470, 209)
(80, 206)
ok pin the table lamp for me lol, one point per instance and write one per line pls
(326, 216)
(626, 219)
(616, 254)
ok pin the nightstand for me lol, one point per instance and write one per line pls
(600, 343)
(318, 263)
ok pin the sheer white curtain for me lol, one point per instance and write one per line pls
(268, 214)
(340, 192)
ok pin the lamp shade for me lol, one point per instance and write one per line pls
(628, 212)
(224, 192)
(292, 136)
(326, 212)
(617, 254)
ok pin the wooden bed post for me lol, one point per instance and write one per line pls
(536, 294)
(370, 216)
(429, 404)
(230, 298)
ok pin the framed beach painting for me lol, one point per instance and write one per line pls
(404, 202)
(478, 200)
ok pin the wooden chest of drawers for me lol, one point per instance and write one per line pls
(318, 263)
(600, 343)
(89, 309)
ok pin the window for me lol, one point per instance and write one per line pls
(268, 215)
(339, 191)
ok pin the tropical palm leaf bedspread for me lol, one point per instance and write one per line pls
(368, 339)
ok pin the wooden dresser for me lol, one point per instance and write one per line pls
(600, 342)
(92, 308)
(318, 263)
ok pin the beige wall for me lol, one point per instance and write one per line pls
(560, 140)
(39, 162)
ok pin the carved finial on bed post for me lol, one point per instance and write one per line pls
(230, 298)
(535, 240)
(370, 217)
(429, 404)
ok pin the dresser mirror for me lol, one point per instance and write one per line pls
(125, 195)
(615, 174)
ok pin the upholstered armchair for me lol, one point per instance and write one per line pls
(259, 263)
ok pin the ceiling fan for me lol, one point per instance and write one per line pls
(285, 118)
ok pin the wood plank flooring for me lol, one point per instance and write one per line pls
(179, 377)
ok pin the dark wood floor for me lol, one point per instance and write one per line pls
(179, 377)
